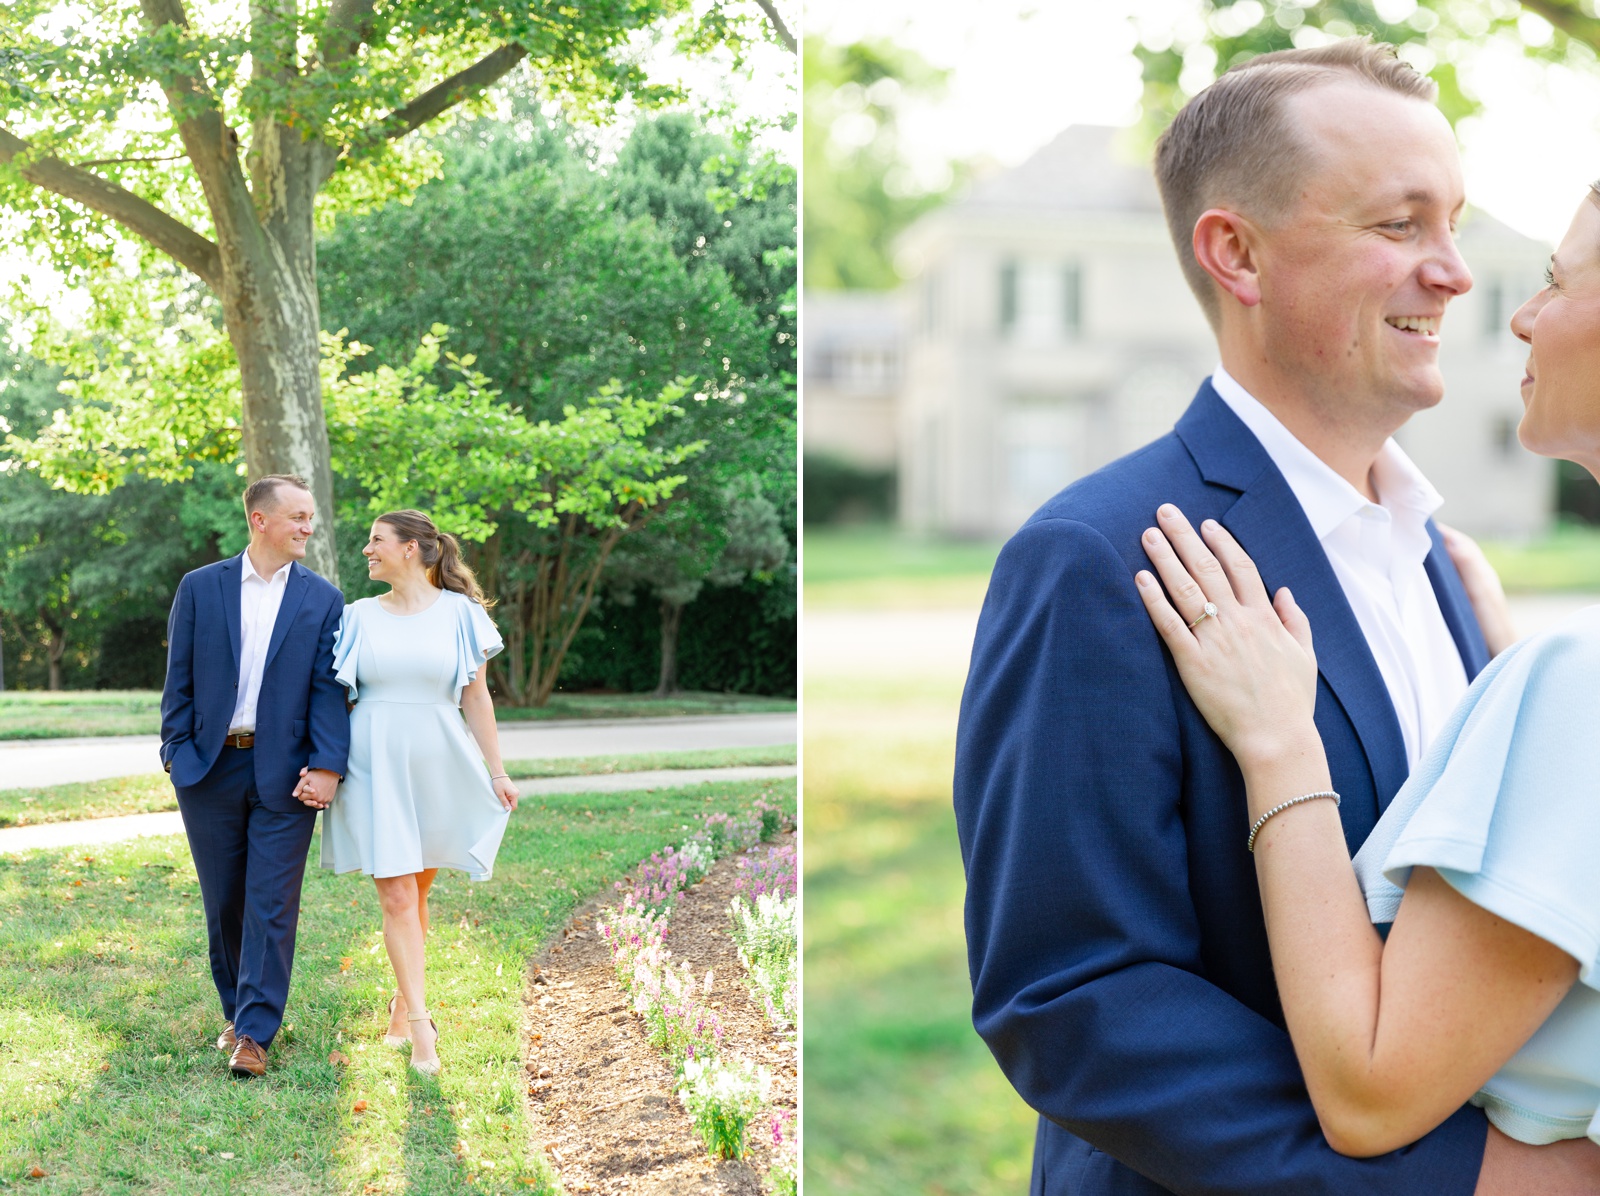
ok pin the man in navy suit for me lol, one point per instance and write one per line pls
(1119, 959)
(250, 701)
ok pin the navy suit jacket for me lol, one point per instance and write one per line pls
(1118, 954)
(301, 720)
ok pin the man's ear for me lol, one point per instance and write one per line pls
(1224, 245)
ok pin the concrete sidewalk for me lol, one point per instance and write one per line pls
(30, 763)
(91, 831)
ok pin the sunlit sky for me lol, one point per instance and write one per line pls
(1022, 70)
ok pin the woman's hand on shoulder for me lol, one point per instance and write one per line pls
(1484, 591)
(1246, 659)
(506, 792)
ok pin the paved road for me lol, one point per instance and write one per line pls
(170, 822)
(26, 764)
(845, 643)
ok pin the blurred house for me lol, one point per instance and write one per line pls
(1048, 330)
(853, 346)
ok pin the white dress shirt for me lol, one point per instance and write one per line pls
(1377, 552)
(259, 600)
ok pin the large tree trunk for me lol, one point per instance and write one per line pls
(269, 302)
(671, 620)
(273, 324)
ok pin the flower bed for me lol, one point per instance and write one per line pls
(722, 1095)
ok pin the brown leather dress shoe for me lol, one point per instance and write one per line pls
(249, 1057)
(226, 1040)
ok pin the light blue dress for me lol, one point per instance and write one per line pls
(1506, 806)
(416, 794)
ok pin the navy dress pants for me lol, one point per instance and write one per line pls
(251, 861)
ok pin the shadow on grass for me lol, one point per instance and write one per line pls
(109, 1079)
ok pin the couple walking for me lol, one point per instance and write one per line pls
(1161, 782)
(281, 701)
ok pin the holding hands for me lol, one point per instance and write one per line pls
(1245, 658)
(316, 787)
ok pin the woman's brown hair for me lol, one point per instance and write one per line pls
(441, 554)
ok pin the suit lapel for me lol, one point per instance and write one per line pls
(1455, 606)
(294, 593)
(228, 578)
(1270, 525)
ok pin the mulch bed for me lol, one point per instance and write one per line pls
(600, 1095)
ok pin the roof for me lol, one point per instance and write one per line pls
(1081, 170)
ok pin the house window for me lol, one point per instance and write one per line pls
(1072, 300)
(1503, 434)
(1494, 308)
(1040, 302)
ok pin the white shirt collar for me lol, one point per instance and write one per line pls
(250, 570)
(1328, 500)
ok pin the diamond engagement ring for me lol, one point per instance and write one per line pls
(1210, 612)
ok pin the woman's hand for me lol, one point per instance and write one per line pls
(1483, 588)
(1249, 667)
(506, 792)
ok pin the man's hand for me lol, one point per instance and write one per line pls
(1512, 1168)
(316, 787)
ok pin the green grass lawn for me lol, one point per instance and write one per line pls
(879, 567)
(1566, 559)
(32, 714)
(148, 794)
(900, 1094)
(589, 766)
(110, 1083)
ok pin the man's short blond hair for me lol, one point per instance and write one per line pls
(262, 494)
(1234, 146)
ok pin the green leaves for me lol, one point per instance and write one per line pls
(478, 462)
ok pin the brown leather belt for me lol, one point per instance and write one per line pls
(246, 739)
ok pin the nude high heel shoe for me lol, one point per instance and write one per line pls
(427, 1069)
(394, 1040)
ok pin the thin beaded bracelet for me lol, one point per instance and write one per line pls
(1255, 830)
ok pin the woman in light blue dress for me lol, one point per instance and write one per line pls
(1487, 862)
(419, 793)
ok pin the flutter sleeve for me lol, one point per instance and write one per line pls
(1506, 804)
(346, 642)
(477, 639)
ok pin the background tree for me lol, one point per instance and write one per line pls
(87, 579)
(693, 545)
(548, 500)
(860, 191)
(676, 260)
(262, 110)
(1436, 36)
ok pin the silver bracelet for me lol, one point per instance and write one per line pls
(505, 776)
(1250, 843)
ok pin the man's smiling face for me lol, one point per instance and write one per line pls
(1355, 277)
(283, 526)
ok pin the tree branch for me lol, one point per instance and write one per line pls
(779, 27)
(187, 247)
(443, 96)
(211, 147)
(119, 161)
(1568, 18)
